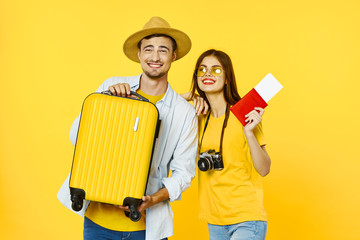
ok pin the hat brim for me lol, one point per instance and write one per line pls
(183, 42)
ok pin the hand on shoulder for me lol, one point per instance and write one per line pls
(200, 105)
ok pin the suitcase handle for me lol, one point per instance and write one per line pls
(107, 92)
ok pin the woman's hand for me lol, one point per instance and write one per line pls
(253, 118)
(200, 105)
(260, 157)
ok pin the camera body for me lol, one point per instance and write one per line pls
(210, 160)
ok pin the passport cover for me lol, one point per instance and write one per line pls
(246, 104)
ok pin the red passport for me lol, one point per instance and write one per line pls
(246, 104)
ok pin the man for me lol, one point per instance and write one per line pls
(155, 47)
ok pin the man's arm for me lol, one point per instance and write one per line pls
(74, 130)
(183, 164)
(148, 201)
(159, 196)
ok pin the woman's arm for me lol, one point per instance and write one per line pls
(200, 105)
(261, 159)
(186, 96)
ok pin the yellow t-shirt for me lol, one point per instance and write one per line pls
(234, 194)
(152, 99)
(110, 217)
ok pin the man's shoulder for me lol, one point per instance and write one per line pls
(182, 105)
(131, 80)
(116, 79)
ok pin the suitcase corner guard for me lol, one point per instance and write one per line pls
(77, 198)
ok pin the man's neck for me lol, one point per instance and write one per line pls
(153, 87)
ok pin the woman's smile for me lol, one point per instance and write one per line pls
(208, 81)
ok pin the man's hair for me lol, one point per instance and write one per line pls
(174, 45)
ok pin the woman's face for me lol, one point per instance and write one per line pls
(211, 76)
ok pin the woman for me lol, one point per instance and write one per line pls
(231, 196)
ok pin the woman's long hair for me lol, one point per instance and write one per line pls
(230, 90)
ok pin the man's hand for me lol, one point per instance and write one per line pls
(147, 201)
(121, 90)
(124, 208)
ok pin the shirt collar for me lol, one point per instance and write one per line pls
(136, 84)
(167, 97)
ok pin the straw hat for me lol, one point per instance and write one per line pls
(157, 25)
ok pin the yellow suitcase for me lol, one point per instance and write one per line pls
(113, 151)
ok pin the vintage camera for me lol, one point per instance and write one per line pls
(210, 160)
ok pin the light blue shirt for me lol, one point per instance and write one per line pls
(175, 149)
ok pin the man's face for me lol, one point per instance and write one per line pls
(156, 55)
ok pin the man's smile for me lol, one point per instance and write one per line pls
(154, 65)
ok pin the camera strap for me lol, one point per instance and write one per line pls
(227, 113)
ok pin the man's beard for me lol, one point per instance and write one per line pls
(152, 76)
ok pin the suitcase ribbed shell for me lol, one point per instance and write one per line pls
(112, 157)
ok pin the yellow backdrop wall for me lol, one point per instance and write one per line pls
(54, 53)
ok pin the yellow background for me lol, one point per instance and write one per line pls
(54, 53)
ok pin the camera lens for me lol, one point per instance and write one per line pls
(204, 164)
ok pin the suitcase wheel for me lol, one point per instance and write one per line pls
(77, 196)
(133, 204)
(77, 205)
(135, 215)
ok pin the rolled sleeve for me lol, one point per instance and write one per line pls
(183, 164)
